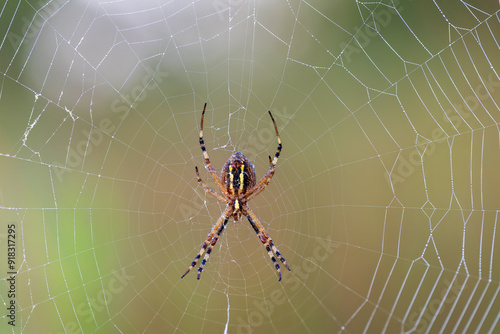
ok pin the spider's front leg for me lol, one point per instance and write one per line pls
(206, 157)
(212, 238)
(262, 184)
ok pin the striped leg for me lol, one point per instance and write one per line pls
(265, 182)
(212, 244)
(208, 190)
(220, 222)
(262, 184)
(207, 159)
(278, 149)
(265, 239)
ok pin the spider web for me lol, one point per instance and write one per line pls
(385, 200)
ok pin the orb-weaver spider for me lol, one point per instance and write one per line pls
(237, 184)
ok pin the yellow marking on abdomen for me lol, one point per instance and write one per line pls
(242, 177)
(231, 177)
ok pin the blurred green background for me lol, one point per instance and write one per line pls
(385, 200)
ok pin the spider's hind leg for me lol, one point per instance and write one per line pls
(266, 240)
(212, 244)
(211, 240)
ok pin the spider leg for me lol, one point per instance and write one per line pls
(265, 239)
(278, 149)
(207, 189)
(207, 159)
(265, 182)
(212, 244)
(262, 184)
(216, 229)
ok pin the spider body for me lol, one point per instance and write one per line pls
(237, 176)
(238, 185)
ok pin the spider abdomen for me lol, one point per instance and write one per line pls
(238, 174)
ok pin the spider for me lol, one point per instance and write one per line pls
(237, 184)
